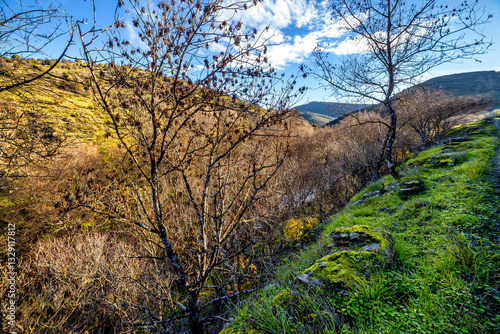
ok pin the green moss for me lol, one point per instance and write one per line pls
(368, 249)
(340, 268)
(230, 330)
(441, 277)
(283, 298)
(446, 162)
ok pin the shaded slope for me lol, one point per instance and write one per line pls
(470, 83)
(484, 83)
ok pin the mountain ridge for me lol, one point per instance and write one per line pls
(485, 83)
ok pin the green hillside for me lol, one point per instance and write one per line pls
(62, 100)
(416, 255)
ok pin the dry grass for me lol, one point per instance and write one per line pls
(90, 282)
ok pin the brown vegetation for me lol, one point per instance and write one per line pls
(88, 265)
(183, 204)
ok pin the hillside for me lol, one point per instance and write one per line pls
(416, 255)
(460, 84)
(321, 113)
(67, 234)
(62, 101)
(470, 83)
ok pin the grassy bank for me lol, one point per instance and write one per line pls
(441, 275)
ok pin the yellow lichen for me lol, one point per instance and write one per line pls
(296, 228)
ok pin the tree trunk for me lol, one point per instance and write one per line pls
(391, 138)
(195, 326)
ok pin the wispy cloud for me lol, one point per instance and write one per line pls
(297, 27)
(133, 35)
(281, 13)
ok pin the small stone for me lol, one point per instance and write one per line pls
(373, 194)
(354, 236)
(321, 265)
(388, 188)
(335, 236)
(306, 279)
(360, 201)
(371, 247)
(411, 187)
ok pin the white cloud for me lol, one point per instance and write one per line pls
(280, 14)
(348, 46)
(133, 35)
(297, 48)
(296, 28)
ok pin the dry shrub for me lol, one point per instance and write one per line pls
(90, 283)
(39, 196)
(327, 166)
(430, 114)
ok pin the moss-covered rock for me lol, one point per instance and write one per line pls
(410, 188)
(371, 194)
(283, 298)
(447, 158)
(357, 250)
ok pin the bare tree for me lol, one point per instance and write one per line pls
(400, 42)
(195, 109)
(27, 29)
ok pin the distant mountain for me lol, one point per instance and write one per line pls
(459, 84)
(321, 113)
(469, 83)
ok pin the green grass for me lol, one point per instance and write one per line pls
(443, 278)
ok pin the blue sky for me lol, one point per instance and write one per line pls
(301, 24)
(298, 26)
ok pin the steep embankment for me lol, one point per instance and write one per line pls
(417, 255)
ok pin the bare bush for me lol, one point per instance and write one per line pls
(327, 166)
(90, 282)
(24, 141)
(432, 113)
